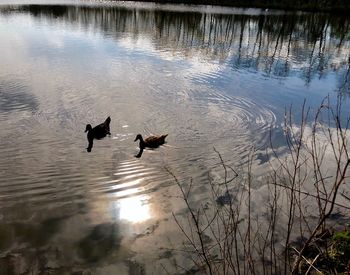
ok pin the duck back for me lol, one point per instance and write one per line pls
(155, 141)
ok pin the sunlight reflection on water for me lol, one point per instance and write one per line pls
(134, 209)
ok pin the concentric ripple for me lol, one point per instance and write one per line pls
(231, 124)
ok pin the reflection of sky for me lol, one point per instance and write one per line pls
(67, 49)
(54, 40)
(71, 52)
(281, 91)
(82, 66)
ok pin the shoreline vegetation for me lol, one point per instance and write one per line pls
(334, 6)
(302, 225)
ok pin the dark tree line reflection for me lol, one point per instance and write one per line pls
(282, 44)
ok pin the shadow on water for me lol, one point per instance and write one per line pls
(102, 240)
(34, 237)
(36, 234)
(278, 44)
(33, 247)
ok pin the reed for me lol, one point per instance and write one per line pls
(294, 231)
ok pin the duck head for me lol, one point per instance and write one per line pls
(88, 128)
(138, 137)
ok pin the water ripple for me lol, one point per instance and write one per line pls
(15, 96)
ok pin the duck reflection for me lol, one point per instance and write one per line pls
(98, 132)
(139, 154)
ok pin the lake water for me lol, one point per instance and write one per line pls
(206, 76)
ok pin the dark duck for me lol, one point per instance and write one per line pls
(98, 132)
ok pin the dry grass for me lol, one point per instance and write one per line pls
(302, 192)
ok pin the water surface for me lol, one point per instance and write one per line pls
(208, 77)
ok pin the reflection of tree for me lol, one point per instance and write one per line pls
(308, 45)
(344, 87)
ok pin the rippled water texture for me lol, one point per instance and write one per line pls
(208, 77)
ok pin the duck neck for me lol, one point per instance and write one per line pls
(142, 143)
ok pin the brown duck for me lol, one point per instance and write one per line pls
(151, 141)
(98, 132)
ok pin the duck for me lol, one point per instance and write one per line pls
(151, 141)
(98, 132)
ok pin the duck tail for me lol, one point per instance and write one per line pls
(108, 120)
